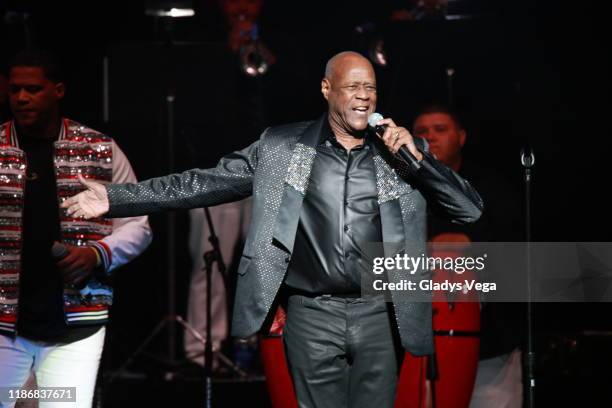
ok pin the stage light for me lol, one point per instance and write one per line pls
(171, 9)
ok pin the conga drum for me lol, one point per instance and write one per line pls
(456, 325)
(276, 370)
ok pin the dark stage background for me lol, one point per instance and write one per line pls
(525, 72)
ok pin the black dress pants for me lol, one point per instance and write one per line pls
(342, 352)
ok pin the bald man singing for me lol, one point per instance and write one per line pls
(320, 189)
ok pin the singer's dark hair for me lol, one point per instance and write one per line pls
(441, 108)
(42, 59)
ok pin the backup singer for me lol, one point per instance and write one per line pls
(53, 309)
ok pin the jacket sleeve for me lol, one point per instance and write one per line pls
(445, 190)
(130, 236)
(230, 180)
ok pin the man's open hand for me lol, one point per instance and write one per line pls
(90, 203)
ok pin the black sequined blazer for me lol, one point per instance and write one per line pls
(275, 171)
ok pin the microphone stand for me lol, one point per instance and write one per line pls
(210, 257)
(528, 160)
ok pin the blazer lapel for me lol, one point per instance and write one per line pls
(296, 185)
(390, 188)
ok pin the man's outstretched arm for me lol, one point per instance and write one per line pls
(230, 180)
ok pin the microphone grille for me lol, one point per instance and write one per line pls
(374, 118)
(58, 250)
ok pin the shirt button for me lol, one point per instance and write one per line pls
(345, 202)
(346, 228)
(287, 259)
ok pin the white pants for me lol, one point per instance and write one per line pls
(54, 365)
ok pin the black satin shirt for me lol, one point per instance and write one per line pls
(339, 214)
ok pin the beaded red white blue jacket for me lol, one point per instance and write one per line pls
(78, 150)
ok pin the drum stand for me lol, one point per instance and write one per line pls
(432, 376)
